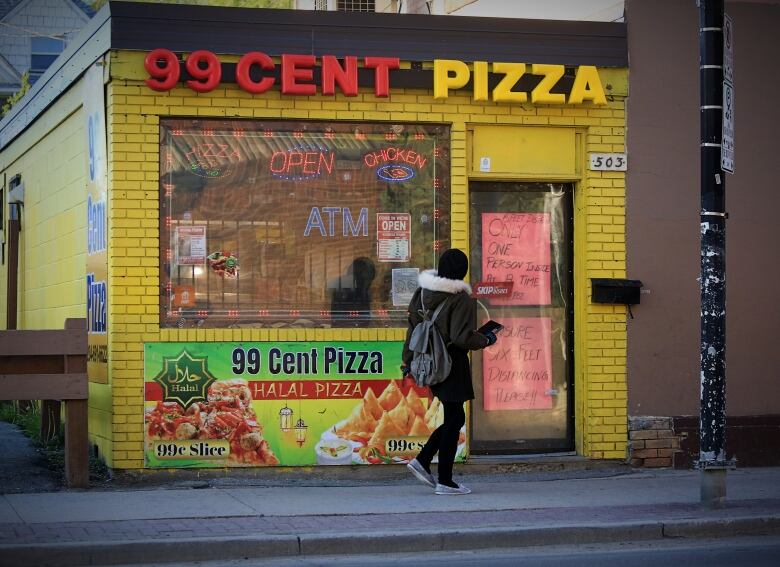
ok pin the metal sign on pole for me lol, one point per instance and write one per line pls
(727, 143)
(727, 135)
(728, 49)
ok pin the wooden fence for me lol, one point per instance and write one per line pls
(52, 365)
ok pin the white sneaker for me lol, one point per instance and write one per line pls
(421, 474)
(446, 490)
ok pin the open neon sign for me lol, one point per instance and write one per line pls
(301, 163)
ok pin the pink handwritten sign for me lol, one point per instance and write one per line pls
(516, 247)
(517, 370)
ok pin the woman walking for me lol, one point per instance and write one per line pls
(456, 323)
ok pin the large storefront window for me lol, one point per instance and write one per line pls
(298, 224)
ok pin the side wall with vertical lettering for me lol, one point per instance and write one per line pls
(51, 157)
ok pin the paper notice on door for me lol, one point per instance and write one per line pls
(516, 248)
(517, 370)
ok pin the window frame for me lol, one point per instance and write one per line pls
(44, 51)
(388, 314)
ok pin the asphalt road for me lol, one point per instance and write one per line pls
(737, 552)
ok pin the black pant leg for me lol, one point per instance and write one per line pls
(454, 418)
(431, 447)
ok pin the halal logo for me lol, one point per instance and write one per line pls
(184, 379)
(395, 172)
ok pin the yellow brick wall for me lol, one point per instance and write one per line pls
(133, 116)
(602, 387)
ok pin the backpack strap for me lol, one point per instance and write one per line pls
(438, 309)
(424, 313)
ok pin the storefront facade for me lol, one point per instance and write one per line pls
(266, 212)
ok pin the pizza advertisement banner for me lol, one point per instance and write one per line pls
(516, 248)
(517, 370)
(287, 404)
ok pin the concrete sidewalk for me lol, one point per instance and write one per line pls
(190, 524)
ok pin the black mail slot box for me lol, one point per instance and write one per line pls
(612, 290)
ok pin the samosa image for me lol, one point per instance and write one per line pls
(391, 396)
(434, 417)
(372, 404)
(415, 403)
(360, 423)
(403, 416)
(419, 429)
(385, 429)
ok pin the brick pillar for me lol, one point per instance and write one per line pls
(652, 441)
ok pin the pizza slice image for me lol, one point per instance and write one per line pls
(227, 415)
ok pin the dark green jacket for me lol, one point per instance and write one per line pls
(456, 323)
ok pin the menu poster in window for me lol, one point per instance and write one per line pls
(516, 248)
(517, 370)
(404, 285)
(393, 237)
(190, 245)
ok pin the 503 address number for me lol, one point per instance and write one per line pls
(608, 162)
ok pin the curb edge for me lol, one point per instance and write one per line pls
(239, 547)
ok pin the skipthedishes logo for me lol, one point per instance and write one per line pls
(395, 164)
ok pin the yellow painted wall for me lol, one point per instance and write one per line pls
(51, 157)
(53, 238)
(133, 117)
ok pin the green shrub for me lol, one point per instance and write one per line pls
(16, 97)
(27, 421)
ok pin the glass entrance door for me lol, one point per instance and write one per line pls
(522, 273)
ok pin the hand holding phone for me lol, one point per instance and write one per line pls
(490, 327)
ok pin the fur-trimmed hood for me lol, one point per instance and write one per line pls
(430, 280)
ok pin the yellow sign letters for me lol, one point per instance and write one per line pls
(450, 74)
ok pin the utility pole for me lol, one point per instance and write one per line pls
(712, 424)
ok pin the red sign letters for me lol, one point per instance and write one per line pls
(297, 73)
